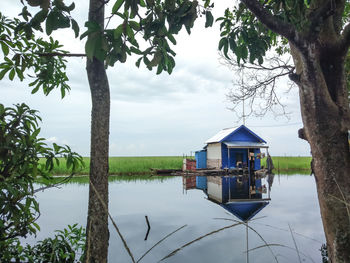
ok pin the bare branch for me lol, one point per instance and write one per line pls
(257, 86)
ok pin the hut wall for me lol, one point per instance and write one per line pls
(201, 159)
(224, 157)
(214, 155)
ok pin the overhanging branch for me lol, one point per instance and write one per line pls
(63, 181)
(60, 54)
(270, 21)
(319, 15)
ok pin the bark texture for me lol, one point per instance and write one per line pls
(319, 51)
(97, 220)
(322, 89)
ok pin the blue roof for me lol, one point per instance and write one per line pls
(245, 210)
(240, 134)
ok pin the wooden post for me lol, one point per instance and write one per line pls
(228, 155)
(248, 163)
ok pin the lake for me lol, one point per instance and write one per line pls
(288, 222)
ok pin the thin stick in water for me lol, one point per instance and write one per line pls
(160, 241)
(295, 243)
(148, 227)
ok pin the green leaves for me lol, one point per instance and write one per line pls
(161, 22)
(244, 36)
(92, 45)
(21, 150)
(117, 5)
(22, 52)
(96, 44)
(5, 48)
(12, 74)
(92, 27)
(56, 20)
(209, 19)
(75, 27)
(3, 72)
(56, 16)
(51, 23)
(134, 25)
(67, 245)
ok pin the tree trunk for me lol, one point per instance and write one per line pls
(324, 109)
(97, 220)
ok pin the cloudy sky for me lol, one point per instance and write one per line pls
(155, 114)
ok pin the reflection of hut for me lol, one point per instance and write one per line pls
(232, 148)
(201, 182)
(245, 210)
(189, 182)
(223, 189)
(234, 194)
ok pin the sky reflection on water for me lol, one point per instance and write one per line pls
(168, 207)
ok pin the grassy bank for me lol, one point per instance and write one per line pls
(285, 164)
(129, 165)
(83, 180)
(142, 165)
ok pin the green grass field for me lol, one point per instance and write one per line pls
(142, 165)
(285, 164)
(112, 178)
(129, 165)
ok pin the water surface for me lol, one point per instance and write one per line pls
(169, 206)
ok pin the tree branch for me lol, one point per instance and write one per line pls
(59, 54)
(323, 12)
(257, 85)
(63, 181)
(318, 16)
(302, 134)
(273, 23)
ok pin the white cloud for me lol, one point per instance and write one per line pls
(154, 114)
(51, 140)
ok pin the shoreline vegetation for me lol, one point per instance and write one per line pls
(143, 165)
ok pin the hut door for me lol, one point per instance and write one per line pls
(239, 160)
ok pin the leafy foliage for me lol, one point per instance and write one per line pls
(20, 152)
(66, 246)
(246, 40)
(55, 14)
(244, 35)
(22, 52)
(157, 21)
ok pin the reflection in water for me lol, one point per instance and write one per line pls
(243, 196)
(168, 210)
